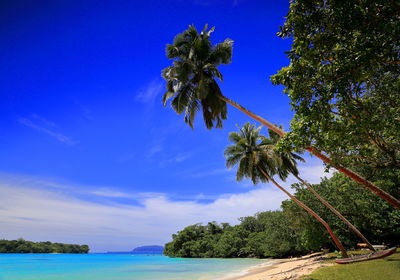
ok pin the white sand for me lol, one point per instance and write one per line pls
(284, 269)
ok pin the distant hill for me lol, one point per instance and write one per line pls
(150, 250)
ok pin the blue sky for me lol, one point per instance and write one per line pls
(90, 155)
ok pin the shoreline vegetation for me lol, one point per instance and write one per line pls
(22, 246)
(346, 103)
(290, 231)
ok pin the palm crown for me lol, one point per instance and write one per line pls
(253, 152)
(259, 161)
(191, 80)
(287, 160)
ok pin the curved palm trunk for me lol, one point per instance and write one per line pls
(336, 212)
(351, 174)
(311, 212)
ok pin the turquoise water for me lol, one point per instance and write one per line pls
(116, 267)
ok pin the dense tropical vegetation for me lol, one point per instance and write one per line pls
(291, 231)
(22, 246)
(344, 85)
(343, 81)
(192, 86)
(288, 165)
(258, 160)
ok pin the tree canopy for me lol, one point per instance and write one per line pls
(344, 85)
(343, 79)
(23, 246)
(291, 231)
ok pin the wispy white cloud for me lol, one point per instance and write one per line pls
(48, 209)
(40, 125)
(312, 171)
(178, 158)
(149, 93)
(112, 193)
(198, 174)
(155, 149)
(48, 214)
(86, 113)
(44, 121)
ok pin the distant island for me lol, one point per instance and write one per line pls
(150, 250)
(22, 246)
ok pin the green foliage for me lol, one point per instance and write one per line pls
(255, 155)
(251, 152)
(292, 231)
(343, 79)
(377, 220)
(23, 246)
(191, 80)
(266, 234)
(277, 237)
(344, 85)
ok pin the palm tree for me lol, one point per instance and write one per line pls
(257, 160)
(192, 86)
(289, 165)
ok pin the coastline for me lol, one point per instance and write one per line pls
(283, 269)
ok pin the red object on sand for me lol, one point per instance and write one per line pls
(372, 256)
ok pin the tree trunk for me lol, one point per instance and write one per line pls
(337, 213)
(311, 212)
(356, 177)
(351, 174)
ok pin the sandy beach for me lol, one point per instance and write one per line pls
(284, 269)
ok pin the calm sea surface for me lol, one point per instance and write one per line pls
(116, 267)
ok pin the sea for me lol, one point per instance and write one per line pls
(119, 267)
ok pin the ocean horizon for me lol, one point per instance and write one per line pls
(119, 267)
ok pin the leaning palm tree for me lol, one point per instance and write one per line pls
(257, 160)
(289, 165)
(192, 86)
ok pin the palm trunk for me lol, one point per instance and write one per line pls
(351, 174)
(311, 212)
(337, 213)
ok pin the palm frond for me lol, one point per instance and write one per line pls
(202, 89)
(167, 96)
(205, 32)
(242, 169)
(191, 110)
(297, 157)
(194, 73)
(212, 71)
(182, 71)
(181, 99)
(233, 160)
(214, 109)
(253, 152)
(222, 53)
(234, 137)
(171, 51)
